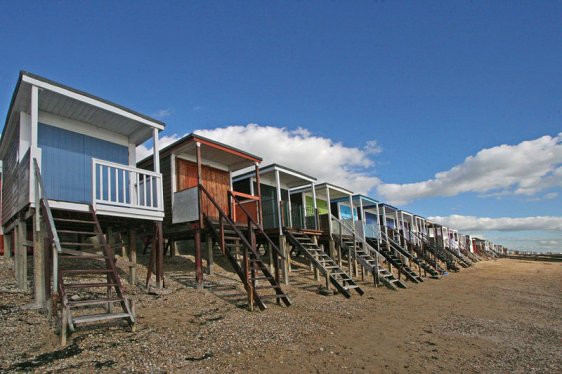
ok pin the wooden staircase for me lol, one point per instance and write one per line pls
(461, 259)
(367, 257)
(440, 253)
(324, 263)
(260, 277)
(390, 254)
(240, 248)
(89, 286)
(428, 264)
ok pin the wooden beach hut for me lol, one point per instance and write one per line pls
(201, 203)
(332, 203)
(356, 232)
(368, 216)
(69, 176)
(280, 208)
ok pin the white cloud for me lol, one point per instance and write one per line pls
(525, 169)
(162, 113)
(299, 149)
(144, 151)
(472, 223)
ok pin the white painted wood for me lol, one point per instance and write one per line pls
(156, 150)
(84, 129)
(91, 101)
(24, 135)
(69, 206)
(127, 212)
(290, 210)
(132, 155)
(192, 158)
(173, 176)
(330, 228)
(363, 216)
(278, 192)
(352, 212)
(150, 189)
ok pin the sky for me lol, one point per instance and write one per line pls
(448, 109)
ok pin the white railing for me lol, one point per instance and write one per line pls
(125, 186)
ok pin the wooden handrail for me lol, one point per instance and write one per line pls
(356, 237)
(244, 195)
(227, 219)
(51, 221)
(260, 229)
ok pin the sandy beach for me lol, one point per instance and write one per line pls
(497, 316)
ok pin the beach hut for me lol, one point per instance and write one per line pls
(199, 200)
(294, 215)
(280, 208)
(367, 216)
(70, 174)
(356, 232)
(335, 210)
(332, 202)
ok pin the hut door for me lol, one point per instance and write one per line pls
(186, 174)
(216, 181)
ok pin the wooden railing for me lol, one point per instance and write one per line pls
(343, 227)
(255, 225)
(42, 203)
(233, 202)
(223, 217)
(126, 186)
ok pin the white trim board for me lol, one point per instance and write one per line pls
(90, 100)
(82, 128)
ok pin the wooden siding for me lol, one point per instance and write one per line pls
(66, 164)
(15, 189)
(166, 170)
(216, 181)
(251, 207)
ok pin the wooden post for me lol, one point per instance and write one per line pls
(284, 252)
(259, 212)
(269, 250)
(132, 257)
(38, 262)
(124, 250)
(316, 272)
(210, 260)
(22, 255)
(63, 326)
(8, 245)
(159, 255)
(173, 248)
(198, 262)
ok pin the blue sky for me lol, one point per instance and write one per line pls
(430, 82)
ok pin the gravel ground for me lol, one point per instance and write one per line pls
(499, 316)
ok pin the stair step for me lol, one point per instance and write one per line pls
(85, 271)
(89, 285)
(81, 257)
(79, 303)
(79, 244)
(268, 286)
(262, 278)
(76, 232)
(99, 317)
(68, 220)
(276, 296)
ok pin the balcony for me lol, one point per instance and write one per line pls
(126, 191)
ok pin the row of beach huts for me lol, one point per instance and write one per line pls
(73, 194)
